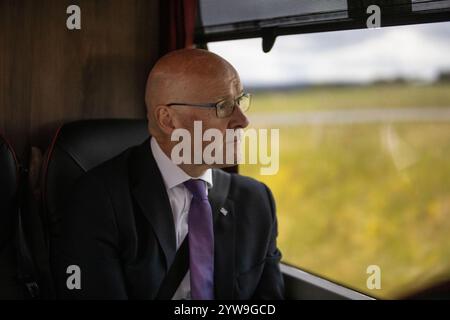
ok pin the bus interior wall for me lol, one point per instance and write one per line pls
(50, 75)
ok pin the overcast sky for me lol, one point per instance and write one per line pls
(418, 51)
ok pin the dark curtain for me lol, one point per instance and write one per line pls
(177, 24)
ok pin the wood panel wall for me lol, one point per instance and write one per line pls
(50, 75)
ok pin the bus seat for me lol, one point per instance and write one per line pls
(80, 146)
(10, 288)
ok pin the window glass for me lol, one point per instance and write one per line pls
(364, 175)
(233, 15)
(423, 5)
(216, 12)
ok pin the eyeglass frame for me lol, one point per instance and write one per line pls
(213, 104)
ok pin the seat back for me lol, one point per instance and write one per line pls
(80, 146)
(10, 288)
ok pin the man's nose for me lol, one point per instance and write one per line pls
(238, 119)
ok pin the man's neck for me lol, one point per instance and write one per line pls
(193, 170)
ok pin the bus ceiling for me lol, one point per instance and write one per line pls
(235, 19)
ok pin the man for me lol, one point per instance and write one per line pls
(127, 219)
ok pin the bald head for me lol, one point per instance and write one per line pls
(186, 79)
(189, 75)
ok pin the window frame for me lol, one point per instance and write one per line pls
(394, 13)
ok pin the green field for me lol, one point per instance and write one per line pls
(336, 98)
(350, 196)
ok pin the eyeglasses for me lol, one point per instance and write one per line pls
(224, 108)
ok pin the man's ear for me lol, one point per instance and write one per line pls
(164, 119)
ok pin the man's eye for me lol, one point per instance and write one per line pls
(221, 105)
(228, 104)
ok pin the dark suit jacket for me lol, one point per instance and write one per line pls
(117, 226)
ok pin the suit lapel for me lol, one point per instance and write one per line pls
(224, 237)
(150, 193)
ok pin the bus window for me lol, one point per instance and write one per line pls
(364, 120)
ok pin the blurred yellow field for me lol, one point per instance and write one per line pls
(359, 194)
(354, 97)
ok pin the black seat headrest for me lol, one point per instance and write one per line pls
(80, 146)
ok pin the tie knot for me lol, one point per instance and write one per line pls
(197, 187)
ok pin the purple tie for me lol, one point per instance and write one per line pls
(201, 242)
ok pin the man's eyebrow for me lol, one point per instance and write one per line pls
(239, 94)
(224, 97)
(230, 96)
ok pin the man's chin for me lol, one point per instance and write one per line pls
(223, 165)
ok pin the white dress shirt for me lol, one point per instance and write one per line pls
(180, 200)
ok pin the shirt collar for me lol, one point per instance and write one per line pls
(172, 174)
